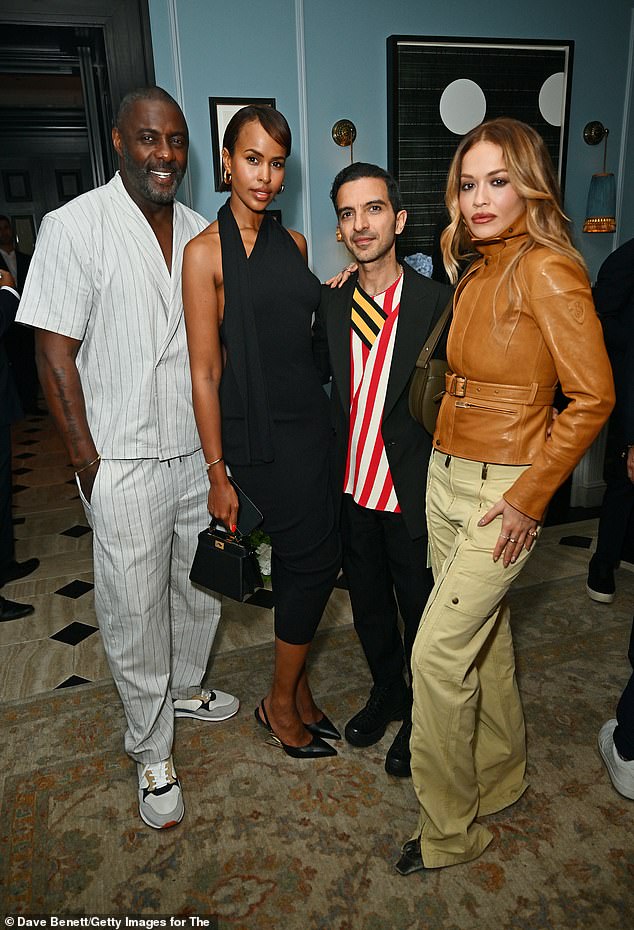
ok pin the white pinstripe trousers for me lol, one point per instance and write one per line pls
(157, 628)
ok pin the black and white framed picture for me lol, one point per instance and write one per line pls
(439, 88)
(17, 186)
(24, 226)
(69, 184)
(221, 109)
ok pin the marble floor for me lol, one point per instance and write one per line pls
(60, 646)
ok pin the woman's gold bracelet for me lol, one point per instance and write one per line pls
(215, 462)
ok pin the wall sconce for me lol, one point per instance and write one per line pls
(601, 207)
(344, 132)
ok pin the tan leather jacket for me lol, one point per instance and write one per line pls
(507, 362)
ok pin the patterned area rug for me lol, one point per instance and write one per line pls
(271, 842)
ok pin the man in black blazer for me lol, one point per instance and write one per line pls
(367, 337)
(10, 411)
(19, 340)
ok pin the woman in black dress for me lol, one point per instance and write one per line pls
(260, 407)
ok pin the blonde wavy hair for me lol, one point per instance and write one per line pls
(533, 178)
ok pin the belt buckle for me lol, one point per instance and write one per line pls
(459, 386)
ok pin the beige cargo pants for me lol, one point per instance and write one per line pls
(468, 739)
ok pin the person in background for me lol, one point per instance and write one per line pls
(367, 335)
(19, 341)
(523, 320)
(616, 737)
(104, 291)
(614, 299)
(10, 411)
(260, 408)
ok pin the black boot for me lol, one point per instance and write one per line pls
(386, 703)
(398, 759)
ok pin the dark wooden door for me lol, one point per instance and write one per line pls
(126, 33)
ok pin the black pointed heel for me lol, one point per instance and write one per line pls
(316, 749)
(324, 728)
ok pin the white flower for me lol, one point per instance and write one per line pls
(263, 553)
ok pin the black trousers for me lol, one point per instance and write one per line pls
(295, 495)
(6, 520)
(617, 506)
(384, 567)
(624, 733)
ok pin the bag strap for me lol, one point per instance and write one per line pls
(434, 337)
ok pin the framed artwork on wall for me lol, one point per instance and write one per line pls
(441, 87)
(24, 226)
(17, 186)
(69, 183)
(221, 109)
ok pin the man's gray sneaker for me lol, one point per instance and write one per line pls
(207, 705)
(160, 797)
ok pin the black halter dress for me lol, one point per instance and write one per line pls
(275, 417)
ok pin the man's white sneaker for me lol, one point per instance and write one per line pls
(620, 771)
(160, 797)
(207, 705)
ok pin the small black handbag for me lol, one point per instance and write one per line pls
(226, 564)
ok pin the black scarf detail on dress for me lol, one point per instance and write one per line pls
(241, 340)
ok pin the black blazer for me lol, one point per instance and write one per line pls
(10, 409)
(22, 261)
(407, 444)
(614, 299)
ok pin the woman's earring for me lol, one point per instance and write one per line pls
(281, 188)
(226, 177)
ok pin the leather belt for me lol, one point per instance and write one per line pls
(532, 395)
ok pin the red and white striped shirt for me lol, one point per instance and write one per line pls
(368, 476)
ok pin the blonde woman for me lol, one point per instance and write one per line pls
(523, 321)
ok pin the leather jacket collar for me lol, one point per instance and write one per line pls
(515, 234)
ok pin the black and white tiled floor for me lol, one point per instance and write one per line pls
(60, 644)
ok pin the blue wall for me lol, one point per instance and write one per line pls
(251, 48)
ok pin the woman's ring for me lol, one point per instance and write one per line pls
(511, 539)
(532, 533)
(502, 536)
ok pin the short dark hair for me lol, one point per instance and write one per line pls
(150, 92)
(362, 169)
(271, 121)
(4, 217)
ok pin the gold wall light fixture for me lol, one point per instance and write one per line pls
(601, 206)
(344, 132)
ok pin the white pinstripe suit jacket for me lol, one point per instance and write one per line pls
(98, 275)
